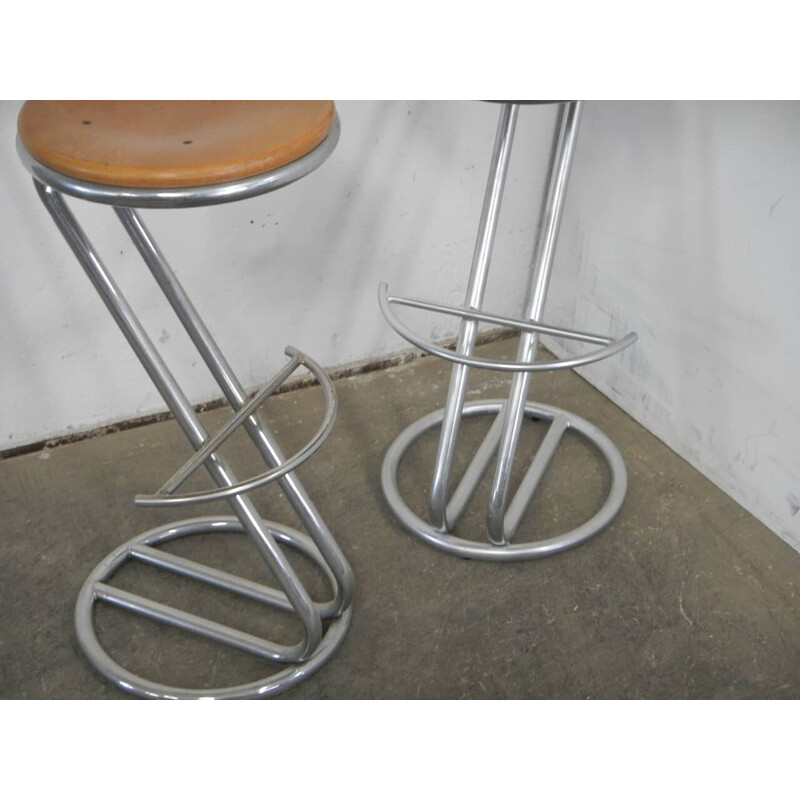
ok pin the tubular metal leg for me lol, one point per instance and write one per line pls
(316, 645)
(498, 529)
(469, 328)
(501, 441)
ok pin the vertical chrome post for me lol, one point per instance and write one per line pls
(476, 287)
(562, 154)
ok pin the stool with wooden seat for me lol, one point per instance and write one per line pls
(179, 154)
(504, 512)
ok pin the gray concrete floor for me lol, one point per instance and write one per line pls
(684, 595)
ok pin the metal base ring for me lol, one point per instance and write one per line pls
(274, 684)
(486, 551)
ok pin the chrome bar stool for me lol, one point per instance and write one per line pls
(180, 154)
(503, 514)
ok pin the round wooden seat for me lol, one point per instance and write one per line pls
(171, 143)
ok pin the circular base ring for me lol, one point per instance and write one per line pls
(274, 684)
(486, 551)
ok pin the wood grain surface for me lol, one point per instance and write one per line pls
(171, 143)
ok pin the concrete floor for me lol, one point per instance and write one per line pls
(684, 595)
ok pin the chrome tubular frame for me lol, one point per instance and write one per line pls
(325, 624)
(501, 442)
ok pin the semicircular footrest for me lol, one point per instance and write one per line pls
(609, 347)
(165, 495)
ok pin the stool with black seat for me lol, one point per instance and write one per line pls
(504, 514)
(181, 154)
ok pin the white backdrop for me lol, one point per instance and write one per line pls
(682, 224)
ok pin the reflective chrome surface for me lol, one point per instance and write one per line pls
(165, 496)
(145, 548)
(486, 551)
(612, 347)
(503, 516)
(479, 272)
(319, 641)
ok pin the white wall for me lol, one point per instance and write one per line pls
(399, 200)
(680, 224)
(683, 224)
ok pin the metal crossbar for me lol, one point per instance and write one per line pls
(192, 623)
(164, 496)
(610, 346)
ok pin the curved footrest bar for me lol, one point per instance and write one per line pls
(610, 346)
(165, 496)
(143, 548)
(485, 551)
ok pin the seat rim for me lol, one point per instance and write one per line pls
(183, 196)
(143, 143)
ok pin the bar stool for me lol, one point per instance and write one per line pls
(503, 516)
(180, 154)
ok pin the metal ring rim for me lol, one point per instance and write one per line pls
(484, 551)
(187, 196)
(134, 684)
